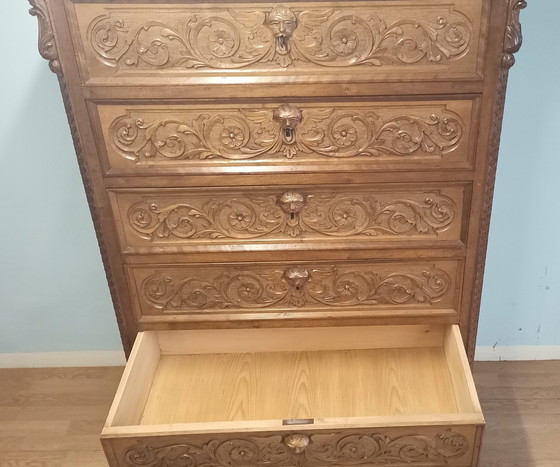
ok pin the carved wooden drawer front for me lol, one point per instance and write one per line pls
(142, 139)
(210, 292)
(296, 217)
(380, 40)
(288, 397)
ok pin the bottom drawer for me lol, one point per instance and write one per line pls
(378, 395)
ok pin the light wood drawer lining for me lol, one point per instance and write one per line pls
(327, 136)
(413, 435)
(127, 43)
(200, 292)
(163, 221)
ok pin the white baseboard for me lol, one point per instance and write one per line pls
(517, 352)
(62, 359)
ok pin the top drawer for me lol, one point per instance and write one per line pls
(139, 43)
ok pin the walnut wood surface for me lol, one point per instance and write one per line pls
(449, 65)
(323, 40)
(194, 292)
(168, 221)
(248, 136)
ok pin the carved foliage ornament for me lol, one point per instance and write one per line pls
(513, 37)
(292, 215)
(295, 286)
(47, 44)
(285, 131)
(281, 36)
(317, 451)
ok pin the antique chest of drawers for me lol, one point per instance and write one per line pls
(292, 203)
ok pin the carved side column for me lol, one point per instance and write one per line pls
(513, 39)
(49, 51)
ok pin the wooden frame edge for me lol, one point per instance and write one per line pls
(513, 39)
(49, 50)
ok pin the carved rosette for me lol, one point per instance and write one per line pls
(286, 131)
(279, 37)
(315, 450)
(47, 44)
(294, 287)
(292, 215)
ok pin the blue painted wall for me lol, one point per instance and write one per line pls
(53, 294)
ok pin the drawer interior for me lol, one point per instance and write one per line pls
(273, 377)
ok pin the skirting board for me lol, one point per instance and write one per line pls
(517, 352)
(62, 359)
(116, 358)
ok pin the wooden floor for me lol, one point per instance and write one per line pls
(52, 417)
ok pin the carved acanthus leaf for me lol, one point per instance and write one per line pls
(279, 37)
(513, 37)
(286, 131)
(292, 215)
(294, 287)
(336, 449)
(47, 45)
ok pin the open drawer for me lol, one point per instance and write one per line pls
(368, 395)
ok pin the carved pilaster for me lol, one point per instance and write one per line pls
(49, 51)
(90, 196)
(47, 43)
(512, 44)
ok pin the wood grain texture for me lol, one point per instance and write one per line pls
(299, 385)
(207, 405)
(217, 341)
(52, 417)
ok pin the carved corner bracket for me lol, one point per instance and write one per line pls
(47, 43)
(513, 38)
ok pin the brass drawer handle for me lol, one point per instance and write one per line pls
(297, 442)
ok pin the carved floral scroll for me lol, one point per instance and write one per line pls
(337, 449)
(287, 131)
(295, 287)
(278, 37)
(291, 215)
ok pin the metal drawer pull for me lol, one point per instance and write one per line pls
(298, 421)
